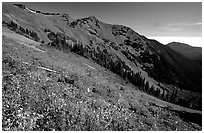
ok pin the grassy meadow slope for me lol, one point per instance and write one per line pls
(51, 90)
(64, 74)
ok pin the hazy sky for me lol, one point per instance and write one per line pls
(149, 19)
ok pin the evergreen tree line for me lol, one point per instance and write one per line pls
(117, 66)
(13, 26)
(105, 59)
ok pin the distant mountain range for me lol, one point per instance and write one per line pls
(193, 53)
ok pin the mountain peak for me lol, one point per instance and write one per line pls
(92, 18)
(94, 66)
(65, 15)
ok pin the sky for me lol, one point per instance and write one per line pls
(165, 22)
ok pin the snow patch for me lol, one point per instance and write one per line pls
(47, 69)
(31, 10)
(44, 68)
(90, 67)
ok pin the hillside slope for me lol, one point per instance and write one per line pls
(46, 89)
(143, 62)
(47, 45)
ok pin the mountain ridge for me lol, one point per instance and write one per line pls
(137, 53)
(60, 73)
(193, 53)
